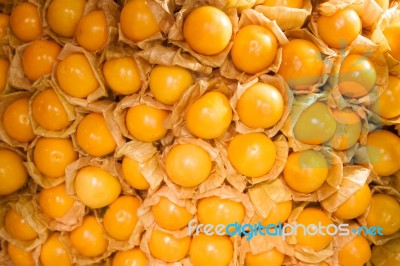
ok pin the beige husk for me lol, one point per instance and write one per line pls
(361, 158)
(148, 157)
(4, 258)
(6, 53)
(382, 253)
(6, 100)
(176, 37)
(241, 5)
(214, 180)
(100, 92)
(252, 17)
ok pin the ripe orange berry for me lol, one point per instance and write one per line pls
(348, 129)
(55, 201)
(168, 248)
(25, 22)
(356, 252)
(17, 227)
(391, 32)
(279, 213)
(92, 31)
(271, 257)
(210, 250)
(54, 252)
(286, 3)
(16, 121)
(388, 104)
(130, 257)
(19, 256)
(356, 205)
(383, 212)
(4, 67)
(169, 215)
(4, 21)
(13, 174)
(131, 170)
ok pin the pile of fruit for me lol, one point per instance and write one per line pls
(130, 128)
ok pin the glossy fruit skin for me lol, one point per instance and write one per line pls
(254, 49)
(76, 77)
(63, 16)
(20, 257)
(260, 106)
(4, 67)
(215, 210)
(131, 170)
(17, 227)
(355, 253)
(39, 57)
(25, 22)
(16, 121)
(52, 155)
(88, 239)
(169, 215)
(315, 125)
(348, 129)
(357, 76)
(130, 257)
(122, 75)
(55, 202)
(54, 252)
(203, 38)
(95, 187)
(306, 171)
(49, 112)
(137, 21)
(383, 212)
(188, 165)
(313, 216)
(121, 217)
(340, 29)
(13, 174)
(279, 213)
(271, 258)
(286, 3)
(356, 205)
(168, 83)
(388, 104)
(210, 116)
(301, 65)
(146, 123)
(211, 250)
(383, 149)
(92, 31)
(168, 248)
(94, 137)
(4, 21)
(252, 154)
(391, 34)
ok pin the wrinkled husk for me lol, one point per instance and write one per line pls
(6, 53)
(252, 17)
(4, 258)
(241, 5)
(388, 251)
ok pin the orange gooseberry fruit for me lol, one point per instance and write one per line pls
(168, 248)
(356, 205)
(39, 57)
(201, 36)
(137, 21)
(271, 257)
(386, 254)
(315, 125)
(13, 174)
(210, 116)
(54, 252)
(52, 155)
(383, 212)
(348, 129)
(340, 29)
(16, 121)
(168, 83)
(388, 104)
(317, 241)
(390, 33)
(95, 187)
(55, 202)
(76, 77)
(25, 22)
(301, 64)
(131, 171)
(4, 67)
(19, 256)
(254, 49)
(252, 154)
(188, 165)
(213, 250)
(169, 215)
(94, 137)
(130, 257)
(279, 213)
(146, 123)
(63, 16)
(88, 238)
(92, 31)
(17, 226)
(260, 106)
(357, 76)
(356, 252)
(383, 149)
(121, 217)
(4, 21)
(285, 3)
(122, 75)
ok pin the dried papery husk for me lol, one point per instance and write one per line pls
(4, 258)
(6, 100)
(385, 252)
(378, 239)
(361, 158)
(214, 180)
(371, 15)
(6, 53)
(148, 157)
(241, 5)
(252, 17)
(176, 37)
(100, 92)
(163, 12)
(287, 95)
(287, 18)
(6, 6)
